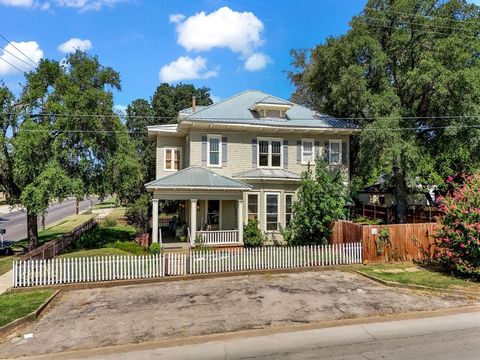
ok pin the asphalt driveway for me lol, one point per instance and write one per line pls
(109, 316)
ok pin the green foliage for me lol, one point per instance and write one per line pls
(367, 221)
(16, 305)
(155, 248)
(392, 64)
(459, 233)
(138, 214)
(321, 200)
(382, 240)
(252, 235)
(110, 222)
(129, 246)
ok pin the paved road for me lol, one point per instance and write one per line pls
(16, 222)
(439, 338)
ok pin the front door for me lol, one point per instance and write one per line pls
(213, 215)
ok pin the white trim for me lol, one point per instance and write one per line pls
(269, 139)
(257, 194)
(303, 162)
(278, 210)
(339, 142)
(220, 145)
(172, 161)
(285, 207)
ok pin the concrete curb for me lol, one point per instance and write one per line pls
(112, 283)
(418, 287)
(6, 329)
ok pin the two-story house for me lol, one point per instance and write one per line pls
(241, 159)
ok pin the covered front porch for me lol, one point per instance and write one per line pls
(212, 207)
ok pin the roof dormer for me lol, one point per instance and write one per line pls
(271, 107)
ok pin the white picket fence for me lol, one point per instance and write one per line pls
(28, 273)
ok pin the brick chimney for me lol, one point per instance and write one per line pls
(194, 105)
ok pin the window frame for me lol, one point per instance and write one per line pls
(247, 212)
(266, 213)
(291, 207)
(270, 140)
(339, 142)
(303, 162)
(220, 145)
(172, 160)
(220, 217)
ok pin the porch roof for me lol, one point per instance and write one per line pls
(196, 178)
(268, 174)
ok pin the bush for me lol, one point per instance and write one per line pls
(110, 222)
(90, 240)
(129, 246)
(138, 214)
(155, 248)
(459, 234)
(252, 235)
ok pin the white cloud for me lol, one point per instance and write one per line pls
(74, 44)
(256, 61)
(85, 5)
(45, 6)
(186, 68)
(176, 18)
(30, 48)
(224, 28)
(19, 3)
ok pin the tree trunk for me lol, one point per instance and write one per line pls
(32, 230)
(400, 197)
(77, 206)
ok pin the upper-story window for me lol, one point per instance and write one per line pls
(308, 149)
(335, 152)
(172, 159)
(214, 150)
(270, 153)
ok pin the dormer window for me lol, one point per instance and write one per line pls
(271, 108)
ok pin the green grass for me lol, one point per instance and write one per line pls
(95, 252)
(422, 276)
(106, 204)
(6, 263)
(17, 305)
(58, 228)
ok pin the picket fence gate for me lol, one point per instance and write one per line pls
(29, 273)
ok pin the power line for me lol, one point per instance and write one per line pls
(8, 52)
(20, 51)
(23, 72)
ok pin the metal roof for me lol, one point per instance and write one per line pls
(276, 174)
(197, 177)
(236, 109)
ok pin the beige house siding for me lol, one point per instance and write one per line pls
(239, 151)
(168, 141)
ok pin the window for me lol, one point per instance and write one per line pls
(213, 214)
(307, 151)
(173, 157)
(288, 208)
(271, 211)
(270, 153)
(214, 150)
(252, 207)
(335, 152)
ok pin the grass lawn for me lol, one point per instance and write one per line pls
(16, 305)
(411, 274)
(6, 263)
(58, 228)
(106, 204)
(106, 251)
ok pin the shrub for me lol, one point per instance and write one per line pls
(382, 240)
(129, 246)
(459, 233)
(252, 235)
(110, 222)
(138, 215)
(155, 248)
(321, 200)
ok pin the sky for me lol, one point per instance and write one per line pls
(227, 45)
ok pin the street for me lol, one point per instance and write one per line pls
(437, 338)
(16, 222)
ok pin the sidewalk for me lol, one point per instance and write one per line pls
(5, 281)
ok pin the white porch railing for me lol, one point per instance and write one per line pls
(218, 237)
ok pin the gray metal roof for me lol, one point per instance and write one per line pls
(236, 109)
(277, 174)
(197, 177)
(274, 100)
(188, 111)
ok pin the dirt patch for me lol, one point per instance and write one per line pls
(109, 316)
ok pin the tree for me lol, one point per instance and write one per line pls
(401, 70)
(62, 138)
(166, 102)
(321, 200)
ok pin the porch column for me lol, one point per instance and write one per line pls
(240, 220)
(193, 221)
(154, 220)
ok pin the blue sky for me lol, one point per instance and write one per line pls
(228, 46)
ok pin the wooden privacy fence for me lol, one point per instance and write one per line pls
(386, 213)
(56, 246)
(405, 242)
(109, 268)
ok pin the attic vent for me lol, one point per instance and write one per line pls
(271, 113)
